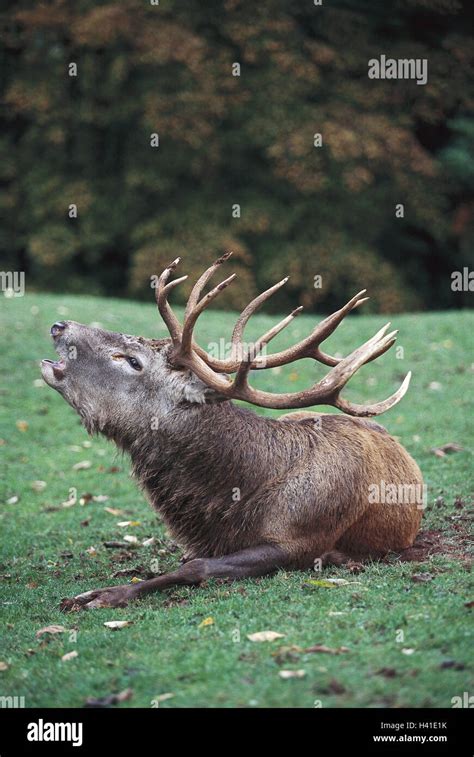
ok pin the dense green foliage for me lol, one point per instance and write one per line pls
(248, 140)
(409, 641)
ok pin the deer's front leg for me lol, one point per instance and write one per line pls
(254, 561)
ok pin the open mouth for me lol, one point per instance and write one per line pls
(58, 367)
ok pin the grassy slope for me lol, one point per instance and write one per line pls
(165, 650)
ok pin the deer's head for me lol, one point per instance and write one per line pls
(118, 382)
(115, 381)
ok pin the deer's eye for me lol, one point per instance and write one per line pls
(133, 362)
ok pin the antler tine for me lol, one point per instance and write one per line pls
(251, 308)
(161, 295)
(255, 349)
(201, 283)
(378, 407)
(268, 336)
(309, 347)
(190, 321)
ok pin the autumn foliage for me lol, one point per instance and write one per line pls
(245, 140)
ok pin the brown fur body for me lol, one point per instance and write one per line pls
(224, 478)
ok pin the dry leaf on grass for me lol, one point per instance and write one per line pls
(265, 636)
(38, 486)
(445, 448)
(206, 622)
(49, 630)
(287, 654)
(155, 702)
(285, 674)
(422, 577)
(4, 665)
(116, 624)
(325, 650)
(83, 465)
(69, 656)
(110, 699)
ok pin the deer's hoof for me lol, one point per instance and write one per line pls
(112, 596)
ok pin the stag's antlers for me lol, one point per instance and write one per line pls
(187, 353)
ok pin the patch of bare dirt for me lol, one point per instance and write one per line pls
(429, 543)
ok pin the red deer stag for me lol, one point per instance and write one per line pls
(303, 481)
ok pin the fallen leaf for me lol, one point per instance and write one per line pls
(116, 624)
(148, 542)
(49, 629)
(326, 650)
(138, 570)
(12, 500)
(287, 654)
(131, 539)
(22, 425)
(469, 604)
(113, 511)
(69, 502)
(83, 465)
(91, 551)
(101, 498)
(407, 651)
(292, 674)
(445, 448)
(422, 577)
(38, 486)
(69, 656)
(265, 636)
(4, 665)
(206, 622)
(106, 701)
(163, 697)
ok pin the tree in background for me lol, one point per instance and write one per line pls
(247, 141)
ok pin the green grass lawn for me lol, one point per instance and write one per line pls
(409, 641)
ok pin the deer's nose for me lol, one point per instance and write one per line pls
(58, 328)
